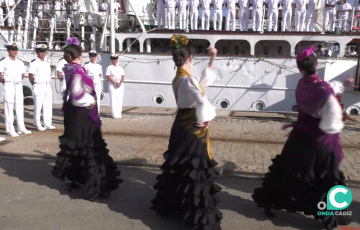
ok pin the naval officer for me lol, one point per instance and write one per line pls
(116, 76)
(160, 7)
(12, 72)
(170, 5)
(94, 71)
(205, 14)
(217, 17)
(329, 14)
(194, 13)
(230, 14)
(182, 4)
(60, 73)
(40, 77)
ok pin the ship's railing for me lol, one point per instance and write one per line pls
(150, 19)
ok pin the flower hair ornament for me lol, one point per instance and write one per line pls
(73, 40)
(177, 41)
(305, 53)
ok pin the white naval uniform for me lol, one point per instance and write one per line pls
(42, 91)
(257, 14)
(344, 16)
(11, 18)
(182, 4)
(357, 20)
(1, 13)
(194, 13)
(310, 16)
(218, 14)
(170, 6)
(94, 71)
(300, 14)
(286, 14)
(205, 14)
(231, 14)
(244, 15)
(12, 71)
(104, 6)
(273, 13)
(75, 15)
(57, 8)
(59, 68)
(188, 94)
(329, 15)
(160, 8)
(40, 11)
(116, 94)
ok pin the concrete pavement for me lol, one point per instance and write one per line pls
(242, 142)
(31, 199)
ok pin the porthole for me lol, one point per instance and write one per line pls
(102, 96)
(295, 108)
(353, 110)
(158, 99)
(224, 103)
(259, 105)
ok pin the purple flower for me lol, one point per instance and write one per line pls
(305, 53)
(73, 40)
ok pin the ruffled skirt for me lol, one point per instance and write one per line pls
(84, 158)
(186, 186)
(300, 178)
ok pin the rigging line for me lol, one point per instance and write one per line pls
(136, 40)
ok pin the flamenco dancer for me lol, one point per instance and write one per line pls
(186, 186)
(308, 166)
(83, 158)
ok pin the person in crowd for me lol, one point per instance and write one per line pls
(83, 158)
(186, 185)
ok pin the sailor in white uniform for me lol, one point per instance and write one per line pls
(57, 9)
(230, 14)
(300, 14)
(273, 13)
(116, 76)
(160, 14)
(344, 16)
(243, 14)
(11, 18)
(182, 4)
(205, 14)
(12, 72)
(218, 5)
(194, 13)
(2, 5)
(60, 73)
(357, 13)
(310, 15)
(40, 10)
(286, 14)
(257, 14)
(329, 14)
(104, 6)
(75, 14)
(94, 71)
(40, 77)
(170, 6)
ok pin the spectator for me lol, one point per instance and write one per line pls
(319, 52)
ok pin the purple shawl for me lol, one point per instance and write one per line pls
(311, 95)
(70, 70)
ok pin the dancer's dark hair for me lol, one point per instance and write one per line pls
(71, 52)
(308, 64)
(180, 55)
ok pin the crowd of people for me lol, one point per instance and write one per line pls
(305, 14)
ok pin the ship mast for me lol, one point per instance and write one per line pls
(112, 27)
(27, 19)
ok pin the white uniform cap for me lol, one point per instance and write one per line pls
(114, 56)
(92, 52)
(41, 47)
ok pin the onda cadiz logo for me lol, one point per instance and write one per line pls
(338, 198)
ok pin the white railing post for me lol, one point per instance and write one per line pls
(27, 19)
(112, 27)
(52, 25)
(36, 24)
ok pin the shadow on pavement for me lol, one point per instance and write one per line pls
(133, 197)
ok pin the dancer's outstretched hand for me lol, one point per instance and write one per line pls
(212, 51)
(349, 82)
